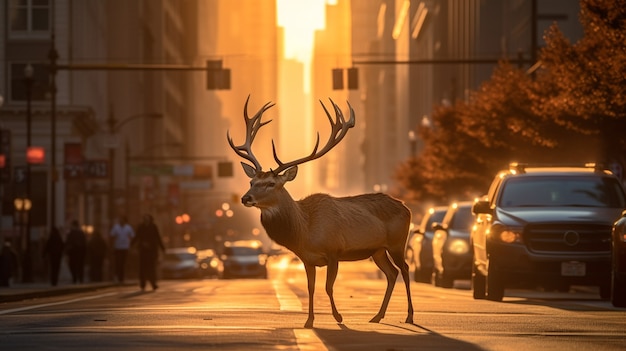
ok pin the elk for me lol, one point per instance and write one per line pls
(321, 229)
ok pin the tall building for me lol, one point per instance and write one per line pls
(414, 55)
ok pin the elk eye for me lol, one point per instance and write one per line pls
(270, 185)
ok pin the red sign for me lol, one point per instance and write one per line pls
(35, 155)
(3, 160)
(73, 164)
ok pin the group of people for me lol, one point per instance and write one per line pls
(146, 239)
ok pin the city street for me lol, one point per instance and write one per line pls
(259, 314)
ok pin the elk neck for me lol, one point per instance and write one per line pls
(285, 221)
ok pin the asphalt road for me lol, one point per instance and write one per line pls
(259, 314)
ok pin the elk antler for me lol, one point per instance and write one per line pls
(339, 129)
(252, 127)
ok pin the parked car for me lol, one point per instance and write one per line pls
(419, 251)
(452, 257)
(618, 266)
(244, 258)
(180, 263)
(545, 226)
(210, 263)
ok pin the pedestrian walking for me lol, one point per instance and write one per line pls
(53, 252)
(8, 263)
(122, 235)
(76, 248)
(96, 251)
(148, 242)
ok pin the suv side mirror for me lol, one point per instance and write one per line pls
(481, 207)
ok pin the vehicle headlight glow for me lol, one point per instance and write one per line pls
(458, 247)
(508, 236)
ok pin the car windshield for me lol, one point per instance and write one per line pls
(241, 251)
(179, 257)
(463, 218)
(562, 191)
(427, 222)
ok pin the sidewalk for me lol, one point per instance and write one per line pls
(24, 291)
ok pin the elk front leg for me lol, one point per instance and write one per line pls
(310, 277)
(331, 275)
(382, 261)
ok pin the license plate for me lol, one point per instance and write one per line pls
(573, 269)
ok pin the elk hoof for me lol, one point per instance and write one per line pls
(309, 324)
(376, 319)
(338, 317)
(409, 320)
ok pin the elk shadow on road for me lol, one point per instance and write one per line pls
(423, 339)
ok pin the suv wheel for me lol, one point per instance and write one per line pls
(495, 285)
(618, 290)
(479, 284)
(442, 281)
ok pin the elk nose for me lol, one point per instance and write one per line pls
(246, 199)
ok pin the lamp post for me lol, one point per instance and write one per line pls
(27, 276)
(114, 127)
(22, 206)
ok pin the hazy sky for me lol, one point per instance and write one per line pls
(300, 18)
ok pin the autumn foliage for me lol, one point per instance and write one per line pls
(571, 110)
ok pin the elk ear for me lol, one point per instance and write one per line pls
(290, 174)
(250, 171)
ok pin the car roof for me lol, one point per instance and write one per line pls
(524, 169)
(179, 250)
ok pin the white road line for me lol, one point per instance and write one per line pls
(56, 303)
(307, 340)
(287, 299)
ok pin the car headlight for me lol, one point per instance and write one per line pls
(214, 263)
(458, 247)
(506, 234)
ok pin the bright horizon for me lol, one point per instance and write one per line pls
(300, 19)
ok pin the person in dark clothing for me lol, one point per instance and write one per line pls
(53, 250)
(8, 263)
(76, 247)
(96, 250)
(148, 242)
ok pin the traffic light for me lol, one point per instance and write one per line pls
(338, 78)
(217, 77)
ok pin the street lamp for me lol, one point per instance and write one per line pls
(27, 276)
(114, 127)
(22, 206)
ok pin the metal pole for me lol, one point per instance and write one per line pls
(112, 123)
(27, 276)
(53, 55)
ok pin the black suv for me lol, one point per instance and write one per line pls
(545, 226)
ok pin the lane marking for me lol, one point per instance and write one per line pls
(287, 299)
(26, 308)
(308, 340)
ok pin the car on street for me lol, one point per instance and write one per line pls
(618, 262)
(210, 263)
(419, 251)
(180, 263)
(452, 256)
(545, 226)
(244, 259)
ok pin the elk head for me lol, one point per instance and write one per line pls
(265, 185)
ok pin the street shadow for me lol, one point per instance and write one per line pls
(136, 293)
(411, 337)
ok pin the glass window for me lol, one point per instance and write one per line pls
(562, 191)
(39, 88)
(29, 16)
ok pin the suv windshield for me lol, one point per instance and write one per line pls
(553, 191)
(463, 219)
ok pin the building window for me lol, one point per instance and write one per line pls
(40, 87)
(29, 16)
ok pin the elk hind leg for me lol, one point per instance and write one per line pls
(310, 277)
(398, 258)
(390, 271)
(331, 275)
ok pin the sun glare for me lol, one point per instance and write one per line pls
(300, 19)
